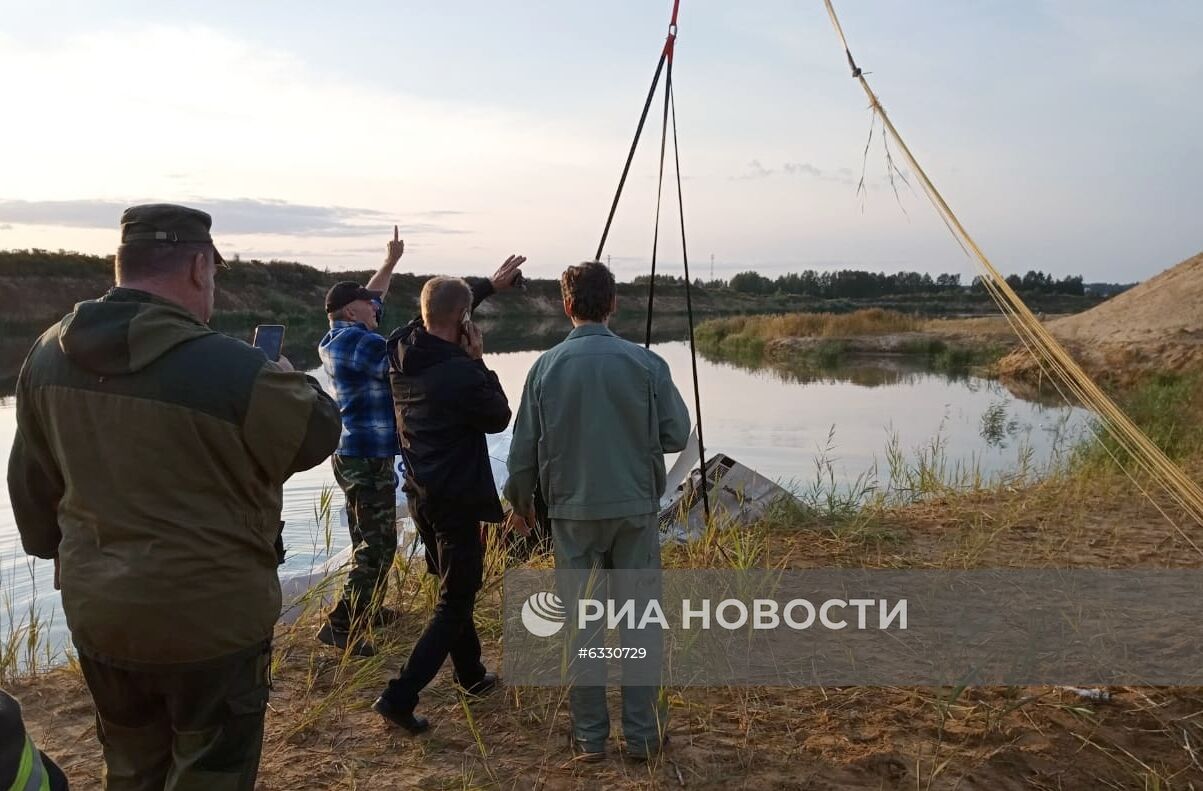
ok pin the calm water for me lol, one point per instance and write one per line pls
(775, 423)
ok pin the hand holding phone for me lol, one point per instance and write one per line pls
(470, 338)
(269, 338)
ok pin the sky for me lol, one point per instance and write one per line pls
(1064, 133)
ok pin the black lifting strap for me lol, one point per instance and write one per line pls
(693, 352)
(651, 92)
(651, 286)
(670, 111)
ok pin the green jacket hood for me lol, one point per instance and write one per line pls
(125, 330)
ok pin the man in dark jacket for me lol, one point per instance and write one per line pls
(149, 463)
(355, 357)
(447, 400)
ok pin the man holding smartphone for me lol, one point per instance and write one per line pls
(446, 401)
(355, 358)
(149, 463)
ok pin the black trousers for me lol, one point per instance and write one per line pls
(184, 728)
(454, 554)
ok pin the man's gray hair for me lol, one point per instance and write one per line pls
(444, 300)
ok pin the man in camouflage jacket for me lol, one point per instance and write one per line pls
(149, 463)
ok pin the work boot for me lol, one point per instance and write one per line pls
(406, 720)
(587, 754)
(337, 630)
(486, 685)
(339, 638)
(649, 755)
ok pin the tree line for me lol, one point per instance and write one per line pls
(842, 284)
(859, 284)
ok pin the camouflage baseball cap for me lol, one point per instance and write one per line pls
(167, 222)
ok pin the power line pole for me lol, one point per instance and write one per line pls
(712, 266)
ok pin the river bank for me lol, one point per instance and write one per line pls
(861, 419)
(804, 343)
(39, 287)
(321, 734)
(1154, 327)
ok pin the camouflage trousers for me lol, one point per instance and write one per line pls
(187, 728)
(370, 487)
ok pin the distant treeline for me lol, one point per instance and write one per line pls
(61, 263)
(841, 284)
(859, 284)
(39, 286)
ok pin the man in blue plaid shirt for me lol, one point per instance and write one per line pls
(354, 357)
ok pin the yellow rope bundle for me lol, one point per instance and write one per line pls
(1052, 358)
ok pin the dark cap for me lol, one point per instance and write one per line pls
(167, 223)
(342, 294)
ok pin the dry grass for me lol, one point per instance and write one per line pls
(971, 326)
(321, 734)
(871, 321)
(816, 341)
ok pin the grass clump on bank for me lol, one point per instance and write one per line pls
(823, 341)
(745, 339)
(1168, 407)
(740, 334)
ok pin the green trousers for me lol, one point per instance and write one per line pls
(188, 729)
(625, 543)
(370, 486)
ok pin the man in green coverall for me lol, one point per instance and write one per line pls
(606, 410)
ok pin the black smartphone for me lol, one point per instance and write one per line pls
(269, 338)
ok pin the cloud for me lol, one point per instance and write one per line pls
(839, 175)
(233, 217)
(5, 227)
(264, 253)
(755, 170)
(802, 168)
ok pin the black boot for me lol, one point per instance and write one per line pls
(402, 719)
(487, 684)
(337, 631)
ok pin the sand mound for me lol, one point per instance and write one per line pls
(1166, 308)
(1154, 327)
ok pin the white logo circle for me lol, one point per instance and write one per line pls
(543, 614)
